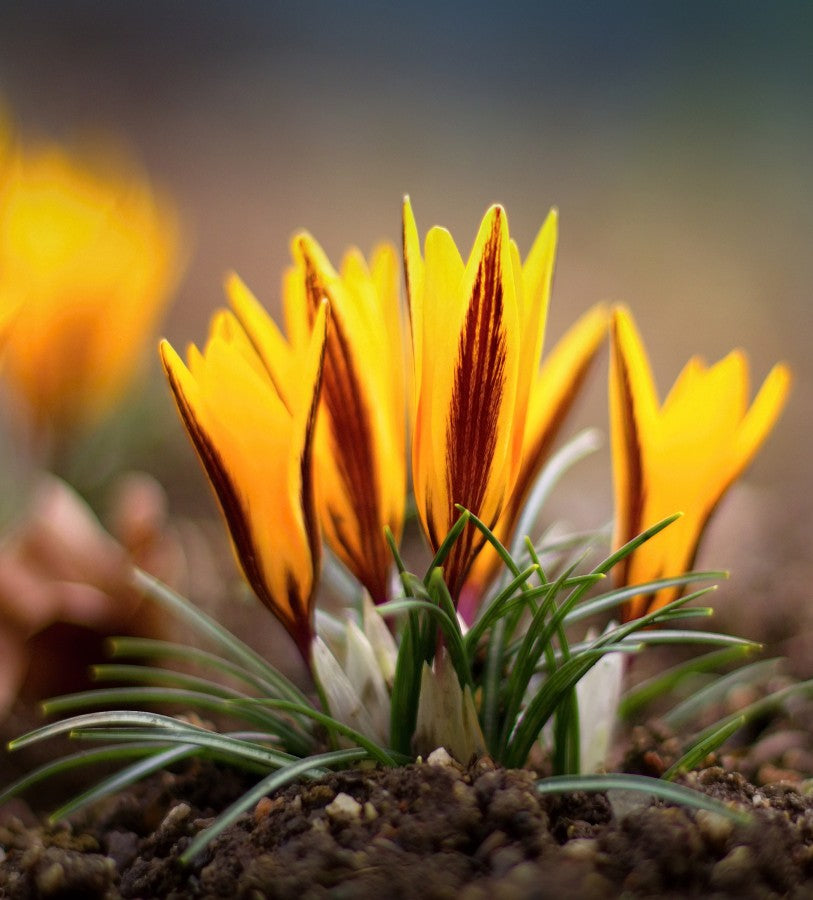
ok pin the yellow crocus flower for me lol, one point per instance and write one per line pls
(361, 428)
(89, 256)
(553, 393)
(477, 332)
(679, 456)
(255, 441)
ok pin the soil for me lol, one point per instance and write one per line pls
(438, 829)
(430, 830)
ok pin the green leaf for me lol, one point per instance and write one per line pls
(188, 699)
(74, 761)
(695, 754)
(448, 542)
(239, 652)
(615, 598)
(158, 760)
(451, 628)
(379, 754)
(663, 683)
(654, 787)
(681, 715)
(151, 648)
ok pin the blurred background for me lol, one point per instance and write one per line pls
(675, 139)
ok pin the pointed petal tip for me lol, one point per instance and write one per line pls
(170, 358)
(620, 312)
(232, 282)
(407, 219)
(496, 213)
(165, 351)
(783, 372)
(300, 243)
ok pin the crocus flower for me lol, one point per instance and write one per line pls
(89, 256)
(360, 453)
(679, 456)
(255, 441)
(477, 331)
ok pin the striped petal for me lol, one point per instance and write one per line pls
(361, 434)
(463, 443)
(555, 388)
(681, 456)
(257, 455)
(414, 273)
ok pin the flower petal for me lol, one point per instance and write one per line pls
(473, 392)
(554, 391)
(258, 458)
(537, 275)
(682, 456)
(361, 432)
(273, 349)
(761, 417)
(632, 398)
(414, 272)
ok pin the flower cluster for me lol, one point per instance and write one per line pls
(304, 434)
(314, 432)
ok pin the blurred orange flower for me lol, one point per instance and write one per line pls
(88, 256)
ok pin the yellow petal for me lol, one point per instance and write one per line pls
(681, 456)
(555, 389)
(470, 385)
(361, 457)
(761, 417)
(257, 457)
(537, 275)
(269, 342)
(632, 397)
(414, 277)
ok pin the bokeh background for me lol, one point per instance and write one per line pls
(675, 139)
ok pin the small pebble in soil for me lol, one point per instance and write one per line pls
(343, 806)
(440, 757)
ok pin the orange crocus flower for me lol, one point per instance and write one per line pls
(255, 441)
(681, 455)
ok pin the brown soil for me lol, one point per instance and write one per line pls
(437, 831)
(423, 831)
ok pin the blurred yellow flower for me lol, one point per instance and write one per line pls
(679, 456)
(89, 256)
(253, 431)
(477, 332)
(6, 320)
